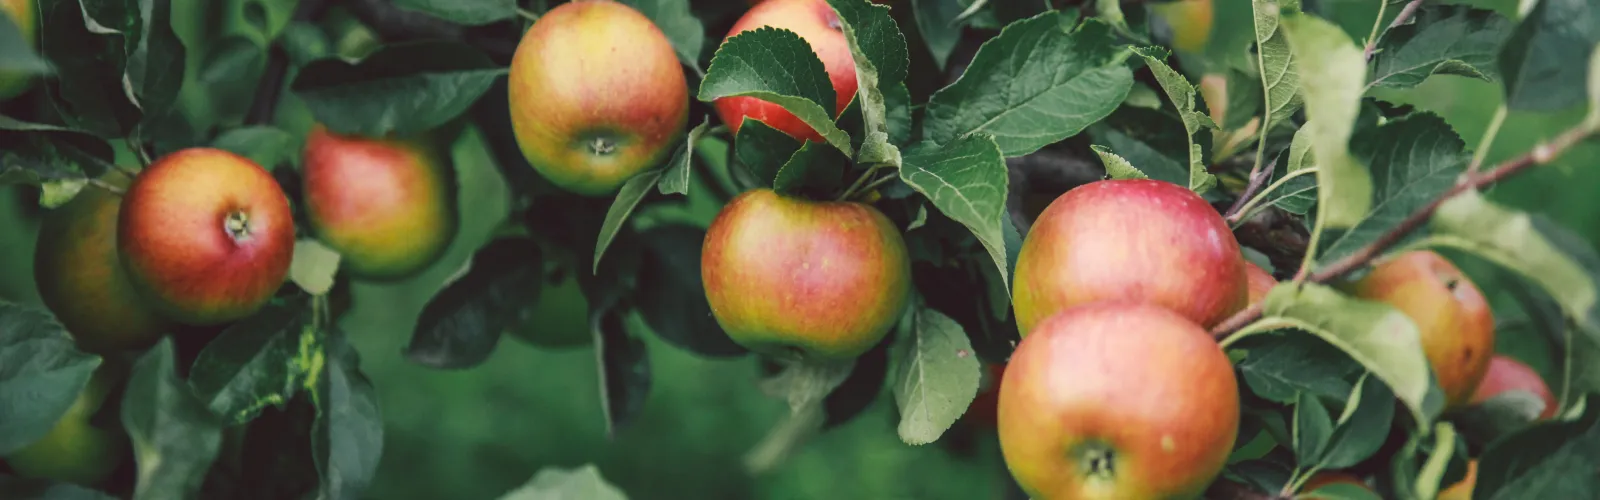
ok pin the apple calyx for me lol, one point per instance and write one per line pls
(1098, 461)
(601, 146)
(237, 225)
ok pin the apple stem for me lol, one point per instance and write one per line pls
(857, 184)
(107, 186)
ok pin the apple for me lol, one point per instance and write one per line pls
(1462, 490)
(1327, 478)
(817, 23)
(1452, 316)
(1190, 22)
(75, 450)
(81, 277)
(1257, 282)
(1140, 240)
(801, 279)
(985, 405)
(1507, 374)
(21, 13)
(597, 96)
(206, 235)
(1117, 399)
(387, 206)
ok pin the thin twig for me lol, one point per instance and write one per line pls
(875, 184)
(1405, 14)
(1540, 155)
(265, 104)
(107, 186)
(1258, 178)
(1487, 140)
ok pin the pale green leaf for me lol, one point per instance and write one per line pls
(967, 181)
(313, 266)
(1332, 72)
(1184, 98)
(1280, 78)
(1116, 166)
(556, 483)
(936, 379)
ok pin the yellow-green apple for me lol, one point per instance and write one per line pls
(1190, 21)
(1257, 282)
(1462, 490)
(21, 13)
(1328, 478)
(1507, 374)
(1117, 400)
(597, 95)
(1452, 316)
(81, 278)
(75, 450)
(796, 278)
(206, 235)
(1139, 240)
(817, 23)
(387, 205)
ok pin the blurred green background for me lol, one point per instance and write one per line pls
(479, 432)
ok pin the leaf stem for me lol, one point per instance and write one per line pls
(875, 184)
(1405, 14)
(527, 14)
(1488, 139)
(1311, 244)
(107, 186)
(1252, 190)
(1244, 213)
(857, 184)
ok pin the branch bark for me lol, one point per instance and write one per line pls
(265, 104)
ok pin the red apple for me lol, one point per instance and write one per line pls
(804, 279)
(387, 206)
(1117, 400)
(81, 277)
(597, 96)
(817, 23)
(206, 235)
(1257, 282)
(1452, 316)
(1507, 374)
(1139, 240)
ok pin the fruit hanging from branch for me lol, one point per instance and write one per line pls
(1257, 282)
(77, 450)
(1506, 374)
(1456, 324)
(817, 23)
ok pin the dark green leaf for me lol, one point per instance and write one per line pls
(763, 149)
(879, 52)
(1545, 62)
(898, 99)
(624, 367)
(1363, 427)
(1245, 97)
(1550, 460)
(58, 159)
(1413, 160)
(777, 66)
(266, 145)
(673, 299)
(23, 488)
(1312, 428)
(255, 363)
(1499, 416)
(628, 197)
(936, 379)
(812, 167)
(87, 88)
(676, 21)
(469, 12)
(461, 325)
(229, 75)
(1185, 99)
(1279, 367)
(675, 180)
(41, 374)
(403, 88)
(1263, 474)
(1331, 69)
(154, 72)
(967, 181)
(1033, 85)
(1446, 39)
(554, 483)
(175, 438)
(347, 438)
(936, 20)
(17, 58)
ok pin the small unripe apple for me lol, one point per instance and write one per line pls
(1507, 374)
(817, 23)
(597, 95)
(1329, 478)
(1257, 282)
(796, 278)
(206, 236)
(387, 206)
(1138, 240)
(1121, 400)
(75, 450)
(1190, 21)
(1454, 320)
(19, 12)
(1462, 490)
(81, 277)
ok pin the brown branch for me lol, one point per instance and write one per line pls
(1540, 155)
(1258, 179)
(1405, 14)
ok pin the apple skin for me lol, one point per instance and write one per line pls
(74, 450)
(1117, 400)
(20, 12)
(81, 278)
(1507, 374)
(1257, 282)
(597, 96)
(1462, 490)
(206, 236)
(791, 278)
(1139, 240)
(387, 206)
(1456, 324)
(1328, 478)
(817, 23)
(1191, 23)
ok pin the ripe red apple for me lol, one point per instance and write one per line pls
(817, 23)
(597, 96)
(1328, 478)
(81, 277)
(206, 235)
(804, 279)
(1117, 399)
(1456, 324)
(1507, 374)
(19, 12)
(387, 206)
(1139, 240)
(74, 449)
(1257, 282)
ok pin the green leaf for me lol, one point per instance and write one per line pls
(624, 366)
(1117, 167)
(555, 483)
(628, 197)
(347, 437)
(675, 306)
(255, 363)
(17, 58)
(1447, 39)
(1280, 367)
(313, 267)
(1150, 161)
(461, 325)
(675, 20)
(1413, 160)
(1245, 97)
(1341, 491)
(41, 374)
(468, 12)
(27, 488)
(175, 438)
(936, 20)
(1182, 95)
(266, 145)
(1298, 194)
(675, 179)
(154, 71)
(87, 89)
(1499, 416)
(1280, 74)
(1033, 85)
(1545, 61)
(60, 160)
(898, 99)
(776, 66)
(1363, 427)
(879, 52)
(1429, 479)
(1550, 460)
(1593, 120)
(1332, 69)
(1312, 428)
(936, 379)
(763, 149)
(402, 88)
(967, 181)
(811, 167)
(805, 385)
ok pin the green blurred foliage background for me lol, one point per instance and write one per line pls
(479, 432)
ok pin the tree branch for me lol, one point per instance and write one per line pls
(1540, 155)
(1405, 14)
(1258, 178)
(265, 104)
